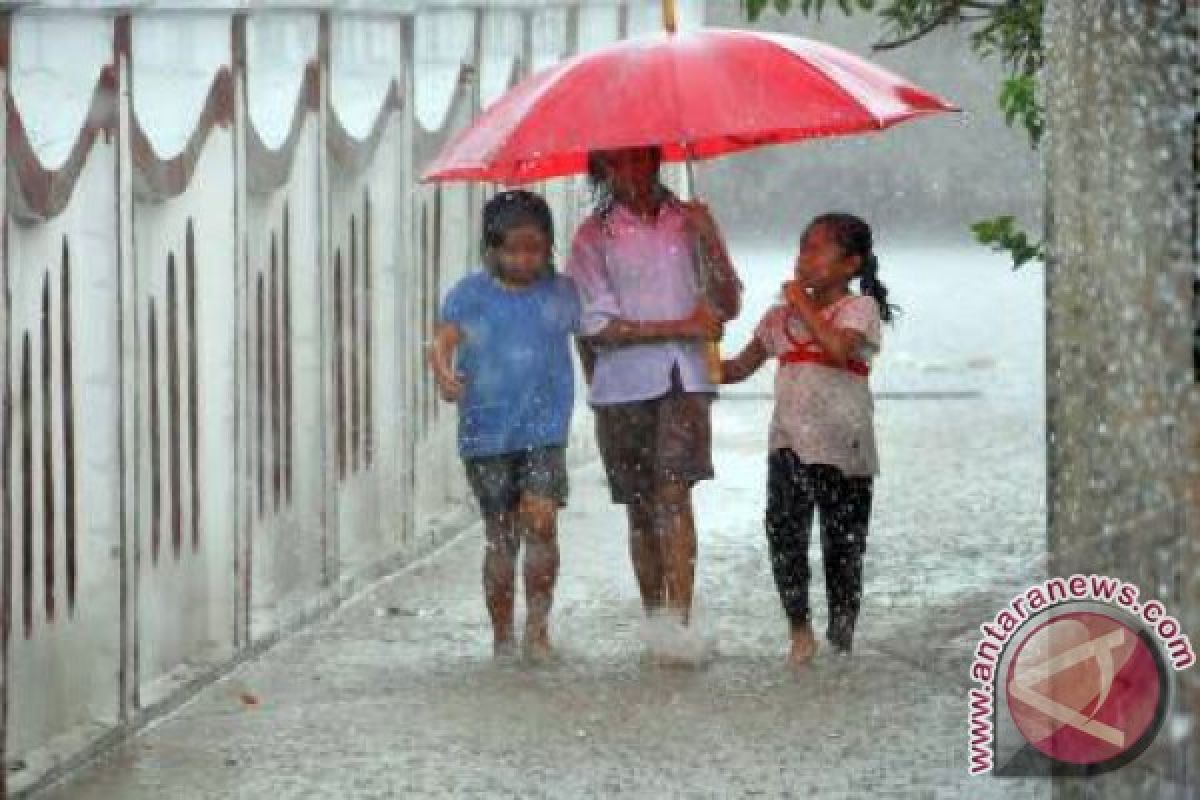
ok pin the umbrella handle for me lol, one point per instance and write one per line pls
(690, 171)
(712, 362)
(668, 15)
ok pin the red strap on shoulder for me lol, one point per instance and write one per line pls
(810, 352)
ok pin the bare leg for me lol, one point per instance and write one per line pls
(499, 576)
(538, 525)
(646, 550)
(677, 533)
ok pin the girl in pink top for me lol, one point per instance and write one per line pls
(645, 318)
(822, 438)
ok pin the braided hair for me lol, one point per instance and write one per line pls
(854, 236)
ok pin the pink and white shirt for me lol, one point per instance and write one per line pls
(824, 414)
(629, 268)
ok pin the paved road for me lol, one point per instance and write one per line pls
(408, 703)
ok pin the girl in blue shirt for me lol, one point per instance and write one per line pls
(501, 352)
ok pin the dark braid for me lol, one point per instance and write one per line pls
(854, 236)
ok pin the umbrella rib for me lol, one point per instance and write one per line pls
(676, 94)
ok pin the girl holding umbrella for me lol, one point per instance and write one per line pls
(639, 262)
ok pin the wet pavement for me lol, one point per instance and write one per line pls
(396, 695)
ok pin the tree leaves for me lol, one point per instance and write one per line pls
(755, 8)
(1008, 29)
(1003, 235)
(1019, 101)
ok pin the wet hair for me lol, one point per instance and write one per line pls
(514, 208)
(603, 198)
(854, 237)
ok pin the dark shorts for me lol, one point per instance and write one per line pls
(500, 481)
(651, 443)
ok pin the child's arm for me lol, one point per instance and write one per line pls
(601, 322)
(446, 339)
(746, 363)
(702, 324)
(840, 344)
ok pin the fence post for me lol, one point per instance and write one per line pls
(331, 558)
(243, 567)
(408, 265)
(130, 413)
(6, 410)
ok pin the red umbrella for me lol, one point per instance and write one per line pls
(698, 94)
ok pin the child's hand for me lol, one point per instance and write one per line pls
(796, 295)
(703, 324)
(450, 384)
(441, 360)
(728, 373)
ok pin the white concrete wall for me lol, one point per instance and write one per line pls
(287, 540)
(50, 690)
(236, 426)
(185, 596)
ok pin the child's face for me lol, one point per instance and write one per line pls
(821, 263)
(523, 254)
(632, 173)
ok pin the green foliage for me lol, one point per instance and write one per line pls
(1003, 235)
(1010, 30)
(1018, 101)
(754, 8)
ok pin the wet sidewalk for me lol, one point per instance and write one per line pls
(396, 695)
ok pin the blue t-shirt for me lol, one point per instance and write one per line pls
(515, 358)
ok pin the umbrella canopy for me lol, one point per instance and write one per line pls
(698, 95)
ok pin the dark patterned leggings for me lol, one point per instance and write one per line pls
(794, 490)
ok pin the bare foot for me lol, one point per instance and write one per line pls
(672, 643)
(804, 646)
(537, 646)
(505, 651)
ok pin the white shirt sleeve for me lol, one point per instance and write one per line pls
(585, 266)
